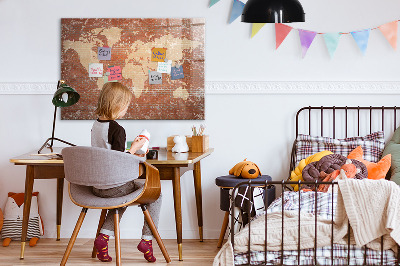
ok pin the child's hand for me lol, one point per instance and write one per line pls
(137, 144)
(142, 155)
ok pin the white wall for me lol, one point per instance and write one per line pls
(258, 126)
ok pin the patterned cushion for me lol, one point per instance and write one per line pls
(372, 144)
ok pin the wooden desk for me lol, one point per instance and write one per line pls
(40, 167)
(168, 164)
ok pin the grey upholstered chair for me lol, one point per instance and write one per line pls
(85, 167)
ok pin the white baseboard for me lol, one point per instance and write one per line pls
(248, 87)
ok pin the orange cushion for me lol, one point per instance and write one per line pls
(375, 170)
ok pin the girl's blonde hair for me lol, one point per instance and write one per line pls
(113, 98)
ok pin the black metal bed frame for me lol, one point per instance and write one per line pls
(283, 184)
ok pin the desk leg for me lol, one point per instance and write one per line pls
(60, 190)
(27, 206)
(176, 182)
(199, 204)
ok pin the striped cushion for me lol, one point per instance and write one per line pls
(372, 145)
(13, 228)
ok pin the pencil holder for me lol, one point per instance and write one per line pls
(200, 143)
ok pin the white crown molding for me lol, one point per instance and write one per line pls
(248, 87)
(27, 88)
(303, 87)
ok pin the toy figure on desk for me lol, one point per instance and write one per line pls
(13, 213)
(180, 144)
(114, 100)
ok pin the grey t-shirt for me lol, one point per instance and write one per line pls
(108, 134)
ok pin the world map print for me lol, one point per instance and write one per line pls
(131, 43)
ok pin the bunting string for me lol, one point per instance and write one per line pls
(361, 37)
(343, 33)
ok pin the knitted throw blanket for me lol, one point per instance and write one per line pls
(373, 209)
(274, 235)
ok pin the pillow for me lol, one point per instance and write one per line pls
(372, 144)
(393, 148)
(375, 170)
(329, 164)
(296, 174)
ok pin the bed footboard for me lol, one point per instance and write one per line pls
(384, 258)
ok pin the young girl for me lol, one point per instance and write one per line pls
(113, 103)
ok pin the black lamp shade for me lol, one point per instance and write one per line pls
(65, 96)
(273, 11)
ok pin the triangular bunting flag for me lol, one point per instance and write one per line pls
(306, 39)
(237, 9)
(213, 2)
(332, 41)
(256, 28)
(389, 30)
(361, 38)
(281, 31)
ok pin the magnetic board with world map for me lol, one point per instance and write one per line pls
(131, 42)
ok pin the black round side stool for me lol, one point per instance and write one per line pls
(226, 183)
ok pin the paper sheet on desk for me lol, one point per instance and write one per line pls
(49, 155)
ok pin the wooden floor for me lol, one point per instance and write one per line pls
(50, 252)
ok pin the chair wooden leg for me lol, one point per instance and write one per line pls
(101, 222)
(73, 237)
(117, 238)
(223, 229)
(154, 230)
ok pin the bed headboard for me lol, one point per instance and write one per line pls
(347, 116)
(344, 121)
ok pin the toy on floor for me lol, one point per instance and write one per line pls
(245, 169)
(13, 215)
(180, 144)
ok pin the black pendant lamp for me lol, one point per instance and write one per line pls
(273, 11)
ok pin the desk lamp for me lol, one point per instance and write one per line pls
(63, 97)
(273, 11)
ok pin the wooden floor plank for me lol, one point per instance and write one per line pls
(49, 252)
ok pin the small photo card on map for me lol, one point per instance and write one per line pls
(104, 53)
(155, 77)
(177, 72)
(158, 54)
(106, 79)
(115, 73)
(95, 70)
(164, 67)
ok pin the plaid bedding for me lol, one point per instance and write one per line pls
(323, 207)
(372, 145)
(306, 202)
(324, 257)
